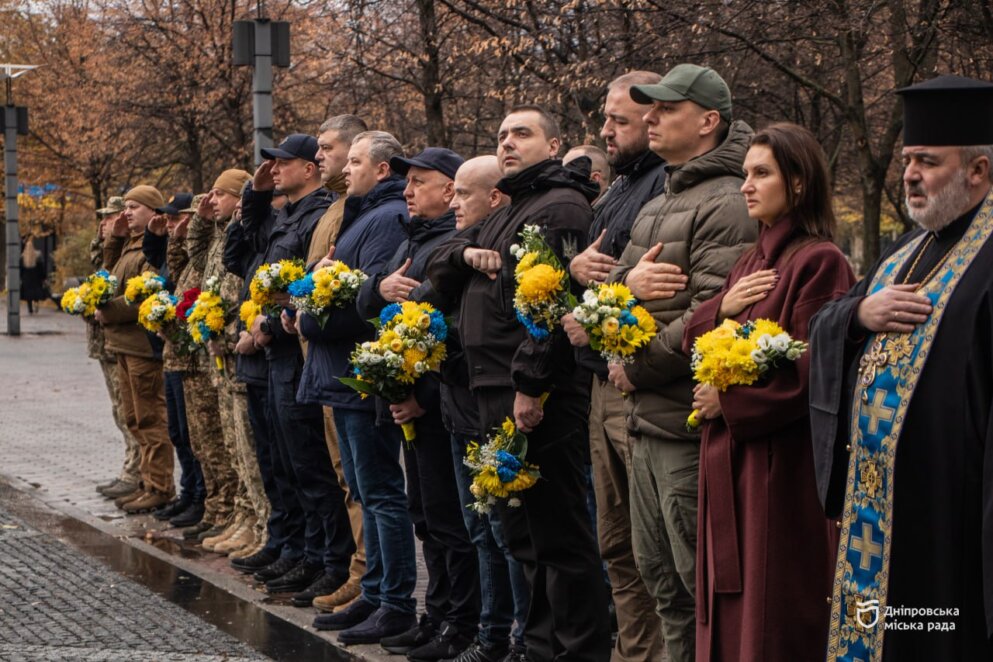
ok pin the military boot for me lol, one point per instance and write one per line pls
(122, 501)
(230, 530)
(148, 501)
(119, 489)
(240, 539)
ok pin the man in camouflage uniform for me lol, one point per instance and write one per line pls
(251, 506)
(127, 480)
(187, 258)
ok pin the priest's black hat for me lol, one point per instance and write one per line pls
(948, 111)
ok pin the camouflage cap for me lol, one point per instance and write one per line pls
(192, 209)
(115, 205)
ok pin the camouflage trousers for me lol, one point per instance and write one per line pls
(207, 441)
(132, 456)
(239, 441)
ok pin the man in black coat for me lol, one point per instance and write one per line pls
(640, 177)
(452, 598)
(298, 429)
(510, 371)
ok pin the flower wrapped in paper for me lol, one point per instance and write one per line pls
(273, 279)
(141, 287)
(333, 286)
(410, 343)
(499, 468)
(542, 294)
(736, 354)
(616, 325)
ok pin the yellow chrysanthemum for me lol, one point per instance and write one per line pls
(508, 427)
(248, 312)
(540, 283)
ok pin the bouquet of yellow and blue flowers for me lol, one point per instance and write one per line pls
(616, 325)
(736, 354)
(156, 311)
(206, 319)
(140, 287)
(95, 290)
(274, 278)
(335, 285)
(411, 343)
(499, 468)
(542, 295)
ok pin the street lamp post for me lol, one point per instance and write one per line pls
(15, 122)
(263, 44)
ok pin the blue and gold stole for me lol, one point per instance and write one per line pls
(890, 367)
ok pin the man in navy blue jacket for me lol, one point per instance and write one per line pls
(298, 429)
(371, 230)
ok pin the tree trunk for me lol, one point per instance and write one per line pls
(434, 112)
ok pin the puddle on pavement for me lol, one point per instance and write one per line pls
(265, 632)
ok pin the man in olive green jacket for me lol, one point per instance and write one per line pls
(683, 245)
(139, 354)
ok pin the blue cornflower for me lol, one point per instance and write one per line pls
(388, 313)
(627, 319)
(302, 287)
(537, 331)
(438, 328)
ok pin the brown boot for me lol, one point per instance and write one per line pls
(121, 501)
(208, 543)
(148, 501)
(242, 538)
(345, 595)
(245, 552)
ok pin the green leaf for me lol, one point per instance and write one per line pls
(358, 385)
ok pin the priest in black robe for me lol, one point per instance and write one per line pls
(901, 399)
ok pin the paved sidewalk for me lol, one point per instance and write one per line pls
(60, 605)
(58, 441)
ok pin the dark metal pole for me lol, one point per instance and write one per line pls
(262, 88)
(13, 230)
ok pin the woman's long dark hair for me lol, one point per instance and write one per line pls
(803, 166)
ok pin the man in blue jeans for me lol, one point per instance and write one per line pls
(503, 586)
(372, 227)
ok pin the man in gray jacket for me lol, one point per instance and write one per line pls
(683, 245)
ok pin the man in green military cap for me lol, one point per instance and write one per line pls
(700, 221)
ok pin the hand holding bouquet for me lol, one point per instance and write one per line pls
(499, 469)
(736, 354)
(141, 287)
(274, 279)
(333, 286)
(95, 290)
(616, 325)
(411, 343)
(206, 318)
(542, 294)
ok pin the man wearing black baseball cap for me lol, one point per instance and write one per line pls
(452, 601)
(323, 550)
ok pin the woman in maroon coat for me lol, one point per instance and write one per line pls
(765, 551)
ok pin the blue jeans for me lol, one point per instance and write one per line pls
(504, 588)
(370, 459)
(191, 485)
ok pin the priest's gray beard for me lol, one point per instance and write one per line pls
(942, 207)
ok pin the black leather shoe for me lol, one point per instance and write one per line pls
(381, 624)
(422, 632)
(325, 585)
(192, 532)
(172, 509)
(350, 616)
(297, 579)
(277, 568)
(448, 643)
(255, 562)
(189, 516)
(480, 652)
